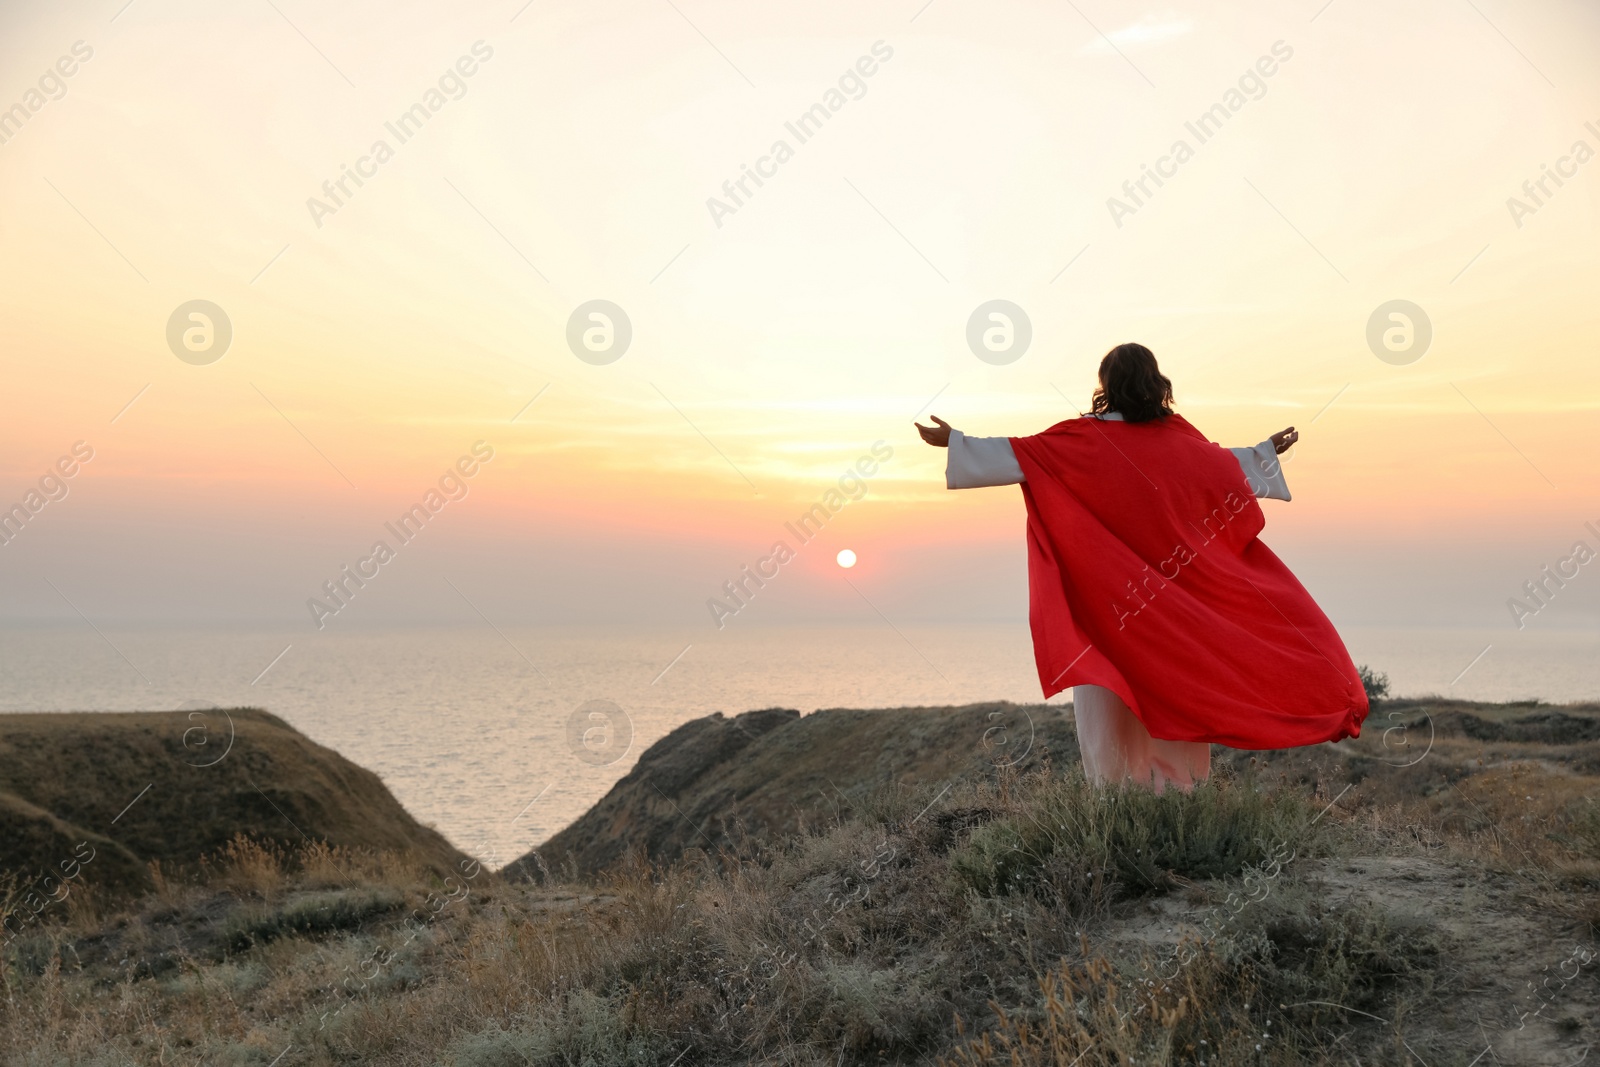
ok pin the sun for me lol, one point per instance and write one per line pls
(846, 557)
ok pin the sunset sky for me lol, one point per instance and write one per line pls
(373, 344)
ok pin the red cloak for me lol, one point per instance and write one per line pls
(1146, 577)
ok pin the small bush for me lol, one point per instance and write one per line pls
(1376, 685)
(1074, 842)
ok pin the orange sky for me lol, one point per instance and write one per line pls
(372, 346)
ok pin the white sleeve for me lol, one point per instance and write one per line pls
(975, 462)
(1263, 470)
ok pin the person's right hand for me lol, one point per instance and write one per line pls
(937, 436)
(1284, 440)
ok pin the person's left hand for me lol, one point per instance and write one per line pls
(1284, 440)
(937, 437)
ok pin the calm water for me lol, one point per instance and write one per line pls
(474, 730)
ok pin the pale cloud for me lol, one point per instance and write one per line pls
(1155, 28)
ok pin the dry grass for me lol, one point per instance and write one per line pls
(1071, 842)
(246, 866)
(1016, 920)
(1241, 1001)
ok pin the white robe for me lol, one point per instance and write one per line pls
(1115, 745)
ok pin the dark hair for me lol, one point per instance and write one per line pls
(1130, 382)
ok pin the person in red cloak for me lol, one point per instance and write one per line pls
(1150, 593)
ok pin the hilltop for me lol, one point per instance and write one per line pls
(756, 778)
(132, 789)
(749, 781)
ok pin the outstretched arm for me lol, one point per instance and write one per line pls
(1261, 466)
(978, 462)
(973, 462)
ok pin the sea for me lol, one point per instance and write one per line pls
(499, 737)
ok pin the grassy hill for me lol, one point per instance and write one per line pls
(716, 783)
(1427, 894)
(173, 787)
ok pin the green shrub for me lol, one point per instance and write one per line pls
(1076, 842)
(1376, 684)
